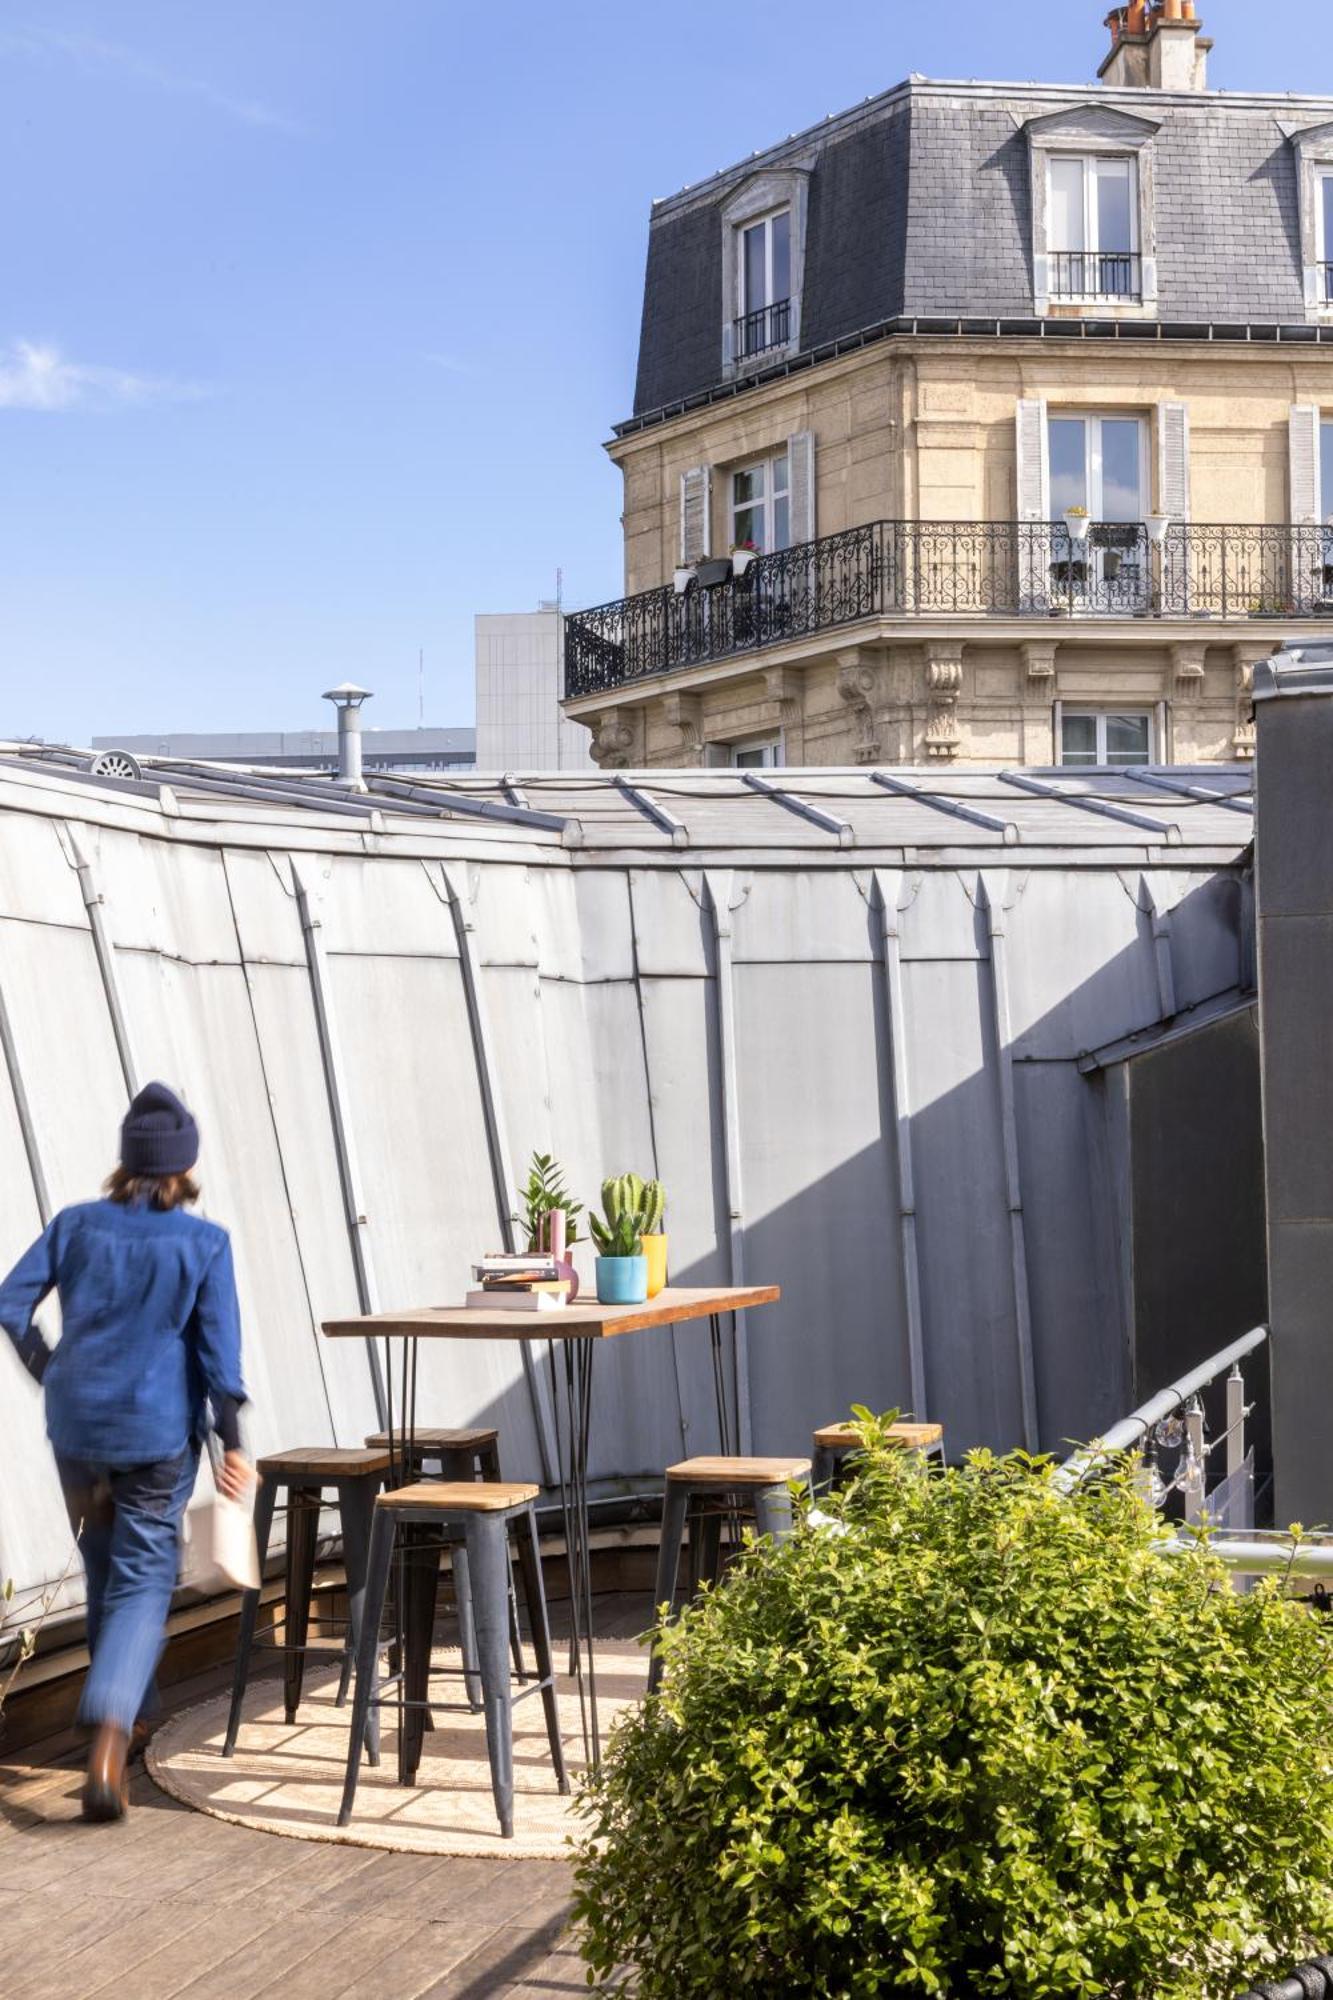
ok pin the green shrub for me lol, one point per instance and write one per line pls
(978, 1739)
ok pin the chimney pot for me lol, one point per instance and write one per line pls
(1173, 10)
(347, 699)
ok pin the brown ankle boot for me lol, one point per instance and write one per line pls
(106, 1787)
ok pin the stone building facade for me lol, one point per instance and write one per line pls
(984, 423)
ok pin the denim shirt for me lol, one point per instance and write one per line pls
(150, 1329)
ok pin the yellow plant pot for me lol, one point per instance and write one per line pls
(655, 1250)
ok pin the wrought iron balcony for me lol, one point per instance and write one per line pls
(918, 569)
(1325, 284)
(757, 331)
(1095, 274)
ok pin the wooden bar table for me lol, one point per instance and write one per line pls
(573, 1336)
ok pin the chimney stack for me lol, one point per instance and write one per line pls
(1156, 45)
(347, 699)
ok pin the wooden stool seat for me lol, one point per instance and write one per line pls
(487, 1514)
(724, 1474)
(707, 1488)
(324, 1465)
(457, 1496)
(910, 1437)
(303, 1477)
(432, 1441)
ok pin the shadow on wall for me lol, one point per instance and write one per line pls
(878, 1020)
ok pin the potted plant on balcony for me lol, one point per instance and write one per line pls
(1157, 525)
(742, 555)
(1078, 522)
(714, 570)
(622, 1268)
(683, 578)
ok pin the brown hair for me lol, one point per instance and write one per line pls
(163, 1191)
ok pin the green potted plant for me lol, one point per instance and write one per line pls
(544, 1196)
(1078, 522)
(648, 1199)
(622, 1268)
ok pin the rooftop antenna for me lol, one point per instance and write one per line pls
(347, 699)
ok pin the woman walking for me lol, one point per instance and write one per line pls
(149, 1355)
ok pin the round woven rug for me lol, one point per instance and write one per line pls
(287, 1778)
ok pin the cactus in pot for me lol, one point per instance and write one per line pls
(622, 1267)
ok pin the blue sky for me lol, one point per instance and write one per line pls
(315, 313)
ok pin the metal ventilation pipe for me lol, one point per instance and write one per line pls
(347, 699)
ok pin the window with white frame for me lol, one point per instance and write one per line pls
(763, 284)
(761, 505)
(1324, 234)
(1093, 228)
(765, 756)
(1091, 737)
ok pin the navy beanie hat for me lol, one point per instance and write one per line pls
(159, 1136)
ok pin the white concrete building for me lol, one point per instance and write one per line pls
(520, 679)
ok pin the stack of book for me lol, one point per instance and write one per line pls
(506, 1283)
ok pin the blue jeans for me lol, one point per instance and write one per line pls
(127, 1522)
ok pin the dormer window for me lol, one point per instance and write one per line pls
(1092, 239)
(763, 267)
(1093, 235)
(763, 284)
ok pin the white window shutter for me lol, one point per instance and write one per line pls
(1034, 477)
(801, 476)
(1307, 502)
(696, 513)
(1173, 460)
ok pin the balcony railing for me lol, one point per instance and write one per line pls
(1095, 274)
(915, 569)
(1325, 283)
(757, 331)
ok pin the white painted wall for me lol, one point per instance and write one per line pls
(520, 726)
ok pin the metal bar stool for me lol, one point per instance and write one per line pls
(761, 1486)
(484, 1511)
(356, 1477)
(835, 1444)
(453, 1455)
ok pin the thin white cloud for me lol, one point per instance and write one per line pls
(36, 377)
(90, 52)
(450, 363)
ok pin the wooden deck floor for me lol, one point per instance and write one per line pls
(171, 1905)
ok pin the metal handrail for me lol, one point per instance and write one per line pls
(1095, 274)
(974, 569)
(1133, 1429)
(764, 328)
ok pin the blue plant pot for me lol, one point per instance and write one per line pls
(622, 1281)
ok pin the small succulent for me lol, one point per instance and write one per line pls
(632, 1209)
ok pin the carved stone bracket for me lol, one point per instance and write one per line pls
(685, 713)
(1187, 668)
(863, 684)
(617, 739)
(1039, 658)
(1245, 659)
(944, 680)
